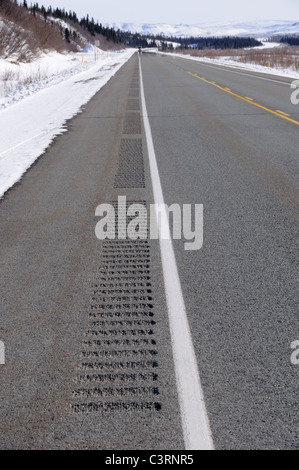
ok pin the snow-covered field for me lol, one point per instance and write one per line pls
(37, 99)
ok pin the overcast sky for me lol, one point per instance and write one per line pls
(177, 11)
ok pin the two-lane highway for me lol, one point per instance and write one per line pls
(91, 359)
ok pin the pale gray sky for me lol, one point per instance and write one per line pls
(177, 11)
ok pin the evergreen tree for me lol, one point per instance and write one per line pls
(67, 35)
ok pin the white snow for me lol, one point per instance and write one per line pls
(33, 114)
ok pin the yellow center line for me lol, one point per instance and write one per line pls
(280, 114)
(251, 99)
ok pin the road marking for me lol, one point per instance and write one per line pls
(195, 423)
(280, 114)
(247, 97)
(2, 353)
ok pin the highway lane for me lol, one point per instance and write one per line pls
(88, 360)
(241, 289)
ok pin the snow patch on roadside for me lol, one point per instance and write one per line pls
(33, 115)
(19, 80)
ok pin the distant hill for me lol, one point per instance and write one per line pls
(256, 29)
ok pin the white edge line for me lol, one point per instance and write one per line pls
(195, 423)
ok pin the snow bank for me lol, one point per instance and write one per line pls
(31, 116)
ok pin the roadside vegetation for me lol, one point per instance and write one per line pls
(283, 57)
(23, 35)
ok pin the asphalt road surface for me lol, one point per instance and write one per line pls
(88, 348)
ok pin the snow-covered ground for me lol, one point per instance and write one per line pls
(37, 99)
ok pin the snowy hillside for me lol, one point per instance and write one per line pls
(258, 29)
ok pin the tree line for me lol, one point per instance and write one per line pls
(291, 40)
(87, 23)
(149, 40)
(227, 42)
